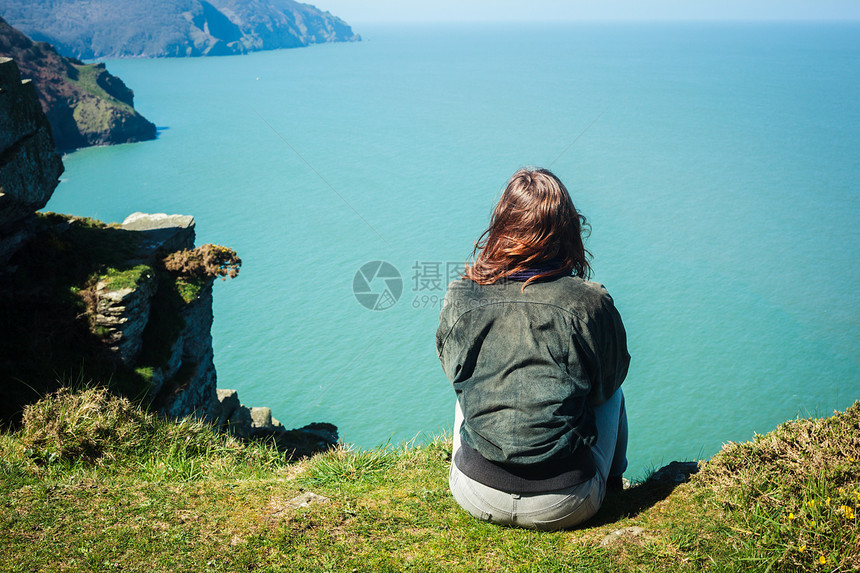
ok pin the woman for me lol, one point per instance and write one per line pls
(536, 354)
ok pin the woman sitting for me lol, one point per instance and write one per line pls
(536, 355)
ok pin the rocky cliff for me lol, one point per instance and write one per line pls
(84, 103)
(125, 305)
(90, 29)
(29, 165)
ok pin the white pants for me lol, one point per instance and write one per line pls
(554, 509)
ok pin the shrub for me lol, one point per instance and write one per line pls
(87, 425)
(206, 261)
(93, 427)
(793, 495)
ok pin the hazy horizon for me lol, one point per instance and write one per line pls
(475, 11)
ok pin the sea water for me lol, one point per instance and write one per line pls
(718, 165)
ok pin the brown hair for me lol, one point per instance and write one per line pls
(534, 224)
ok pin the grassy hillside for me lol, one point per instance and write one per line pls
(84, 103)
(92, 483)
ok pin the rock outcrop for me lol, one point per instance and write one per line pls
(83, 302)
(85, 104)
(170, 28)
(258, 423)
(129, 321)
(29, 165)
(181, 372)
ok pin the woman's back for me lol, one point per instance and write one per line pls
(536, 355)
(527, 363)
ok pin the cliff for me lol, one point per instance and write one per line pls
(168, 28)
(127, 306)
(29, 165)
(85, 104)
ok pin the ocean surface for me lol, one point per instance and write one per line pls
(718, 164)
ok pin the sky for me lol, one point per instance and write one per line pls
(358, 11)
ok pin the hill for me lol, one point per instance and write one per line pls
(91, 29)
(84, 103)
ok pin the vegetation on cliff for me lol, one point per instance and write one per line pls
(159, 28)
(90, 482)
(52, 300)
(46, 333)
(85, 104)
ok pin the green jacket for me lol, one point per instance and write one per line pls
(528, 366)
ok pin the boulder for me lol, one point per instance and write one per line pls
(226, 402)
(239, 424)
(261, 417)
(160, 231)
(307, 440)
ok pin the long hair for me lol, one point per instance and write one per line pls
(534, 225)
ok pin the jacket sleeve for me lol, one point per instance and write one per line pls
(601, 347)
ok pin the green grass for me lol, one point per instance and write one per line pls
(189, 288)
(792, 495)
(90, 483)
(128, 277)
(86, 80)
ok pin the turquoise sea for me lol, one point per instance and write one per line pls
(719, 166)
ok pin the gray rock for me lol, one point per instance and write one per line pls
(20, 111)
(196, 394)
(278, 509)
(239, 424)
(322, 431)
(306, 499)
(30, 166)
(154, 221)
(261, 417)
(191, 395)
(160, 231)
(197, 334)
(226, 402)
(257, 423)
(12, 238)
(262, 422)
(123, 314)
(29, 173)
(623, 535)
(307, 440)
